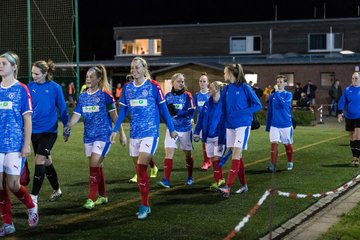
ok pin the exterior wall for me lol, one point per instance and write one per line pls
(213, 39)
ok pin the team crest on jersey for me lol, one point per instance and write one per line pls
(47, 91)
(11, 95)
(145, 93)
(97, 100)
(6, 105)
(90, 109)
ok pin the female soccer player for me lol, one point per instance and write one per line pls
(15, 135)
(199, 100)
(239, 103)
(211, 124)
(97, 107)
(350, 101)
(279, 123)
(47, 99)
(145, 101)
(181, 108)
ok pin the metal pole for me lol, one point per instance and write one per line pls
(29, 39)
(77, 48)
(321, 114)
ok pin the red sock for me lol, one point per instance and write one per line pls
(5, 206)
(190, 166)
(94, 180)
(168, 165)
(24, 196)
(151, 163)
(235, 164)
(274, 153)
(217, 171)
(143, 183)
(102, 183)
(289, 152)
(241, 172)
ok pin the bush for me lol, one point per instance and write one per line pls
(303, 117)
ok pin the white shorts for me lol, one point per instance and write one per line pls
(95, 147)
(11, 163)
(281, 135)
(237, 137)
(184, 138)
(146, 145)
(213, 149)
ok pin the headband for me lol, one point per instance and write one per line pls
(9, 57)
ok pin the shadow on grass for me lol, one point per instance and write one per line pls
(257, 172)
(338, 165)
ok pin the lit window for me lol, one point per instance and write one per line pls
(290, 78)
(325, 42)
(245, 44)
(327, 78)
(138, 47)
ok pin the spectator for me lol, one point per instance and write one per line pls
(71, 94)
(267, 91)
(335, 93)
(258, 91)
(303, 102)
(297, 93)
(310, 89)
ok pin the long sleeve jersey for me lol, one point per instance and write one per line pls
(239, 103)
(199, 101)
(47, 101)
(279, 110)
(350, 100)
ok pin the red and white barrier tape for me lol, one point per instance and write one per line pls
(289, 195)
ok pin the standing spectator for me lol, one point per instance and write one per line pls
(15, 125)
(71, 94)
(118, 92)
(267, 91)
(239, 104)
(310, 90)
(279, 123)
(335, 93)
(350, 101)
(258, 91)
(63, 89)
(47, 101)
(297, 93)
(97, 107)
(144, 99)
(211, 124)
(199, 100)
(181, 108)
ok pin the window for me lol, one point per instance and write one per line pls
(325, 42)
(327, 78)
(245, 44)
(138, 47)
(290, 78)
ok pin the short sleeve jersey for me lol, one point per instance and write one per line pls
(95, 108)
(15, 101)
(142, 102)
(182, 102)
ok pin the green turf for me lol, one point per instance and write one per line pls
(321, 156)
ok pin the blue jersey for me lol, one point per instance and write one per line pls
(47, 98)
(279, 110)
(143, 103)
(185, 107)
(211, 121)
(95, 108)
(199, 100)
(239, 104)
(351, 100)
(15, 101)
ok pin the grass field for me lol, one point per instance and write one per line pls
(321, 156)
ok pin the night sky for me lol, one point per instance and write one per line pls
(98, 17)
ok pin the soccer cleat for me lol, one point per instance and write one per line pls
(214, 186)
(189, 181)
(290, 166)
(205, 166)
(164, 183)
(133, 179)
(101, 200)
(221, 182)
(55, 195)
(243, 189)
(33, 216)
(225, 190)
(89, 204)
(153, 172)
(271, 168)
(143, 212)
(7, 229)
(355, 162)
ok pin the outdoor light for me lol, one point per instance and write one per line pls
(347, 52)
